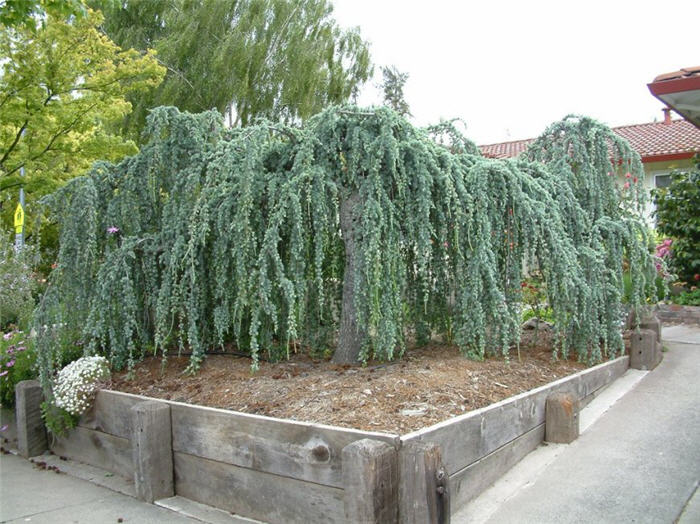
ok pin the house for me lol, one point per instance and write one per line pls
(680, 90)
(664, 146)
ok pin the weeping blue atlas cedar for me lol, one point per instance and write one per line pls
(356, 231)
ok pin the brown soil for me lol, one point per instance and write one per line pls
(427, 386)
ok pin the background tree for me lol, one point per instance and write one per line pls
(278, 59)
(392, 88)
(678, 216)
(27, 14)
(60, 88)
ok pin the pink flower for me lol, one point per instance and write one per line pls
(112, 230)
(7, 336)
(4, 428)
(3, 373)
(627, 185)
(10, 363)
(628, 175)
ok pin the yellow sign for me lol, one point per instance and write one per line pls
(19, 219)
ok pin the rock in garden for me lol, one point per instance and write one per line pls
(535, 323)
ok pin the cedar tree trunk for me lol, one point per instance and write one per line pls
(351, 334)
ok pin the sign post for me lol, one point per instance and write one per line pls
(19, 224)
(19, 213)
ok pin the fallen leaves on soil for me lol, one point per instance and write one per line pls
(427, 386)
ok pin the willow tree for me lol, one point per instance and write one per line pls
(277, 59)
(357, 231)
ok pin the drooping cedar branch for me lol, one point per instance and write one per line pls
(362, 227)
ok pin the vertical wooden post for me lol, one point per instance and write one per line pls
(647, 321)
(31, 433)
(152, 450)
(423, 491)
(561, 418)
(370, 481)
(644, 349)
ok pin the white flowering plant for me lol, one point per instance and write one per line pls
(73, 391)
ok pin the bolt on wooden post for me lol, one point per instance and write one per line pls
(645, 349)
(424, 495)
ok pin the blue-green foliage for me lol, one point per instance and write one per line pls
(234, 236)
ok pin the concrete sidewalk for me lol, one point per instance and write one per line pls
(639, 462)
(28, 494)
(84, 494)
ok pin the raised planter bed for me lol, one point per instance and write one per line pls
(286, 471)
(676, 314)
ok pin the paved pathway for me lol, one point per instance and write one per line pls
(639, 462)
(28, 494)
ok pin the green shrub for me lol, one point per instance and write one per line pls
(17, 363)
(546, 314)
(677, 216)
(534, 291)
(18, 284)
(688, 298)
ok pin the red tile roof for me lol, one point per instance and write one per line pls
(686, 72)
(654, 141)
(506, 149)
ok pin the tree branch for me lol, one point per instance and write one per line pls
(14, 143)
(356, 113)
(64, 131)
(283, 131)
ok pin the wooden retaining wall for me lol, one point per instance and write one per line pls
(480, 446)
(285, 471)
(260, 467)
(675, 313)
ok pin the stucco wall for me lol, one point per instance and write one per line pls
(651, 170)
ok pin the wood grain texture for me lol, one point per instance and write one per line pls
(592, 379)
(421, 471)
(254, 494)
(97, 449)
(371, 482)
(31, 433)
(297, 450)
(561, 418)
(110, 413)
(469, 437)
(471, 481)
(152, 451)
